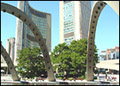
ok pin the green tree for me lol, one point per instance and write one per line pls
(60, 58)
(58, 51)
(72, 58)
(30, 63)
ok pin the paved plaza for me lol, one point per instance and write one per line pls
(7, 80)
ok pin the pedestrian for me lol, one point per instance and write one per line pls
(56, 75)
(98, 76)
(106, 75)
(112, 76)
(74, 78)
(64, 78)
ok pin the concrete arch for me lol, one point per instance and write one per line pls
(96, 10)
(21, 15)
(10, 64)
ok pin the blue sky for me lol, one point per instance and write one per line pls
(107, 31)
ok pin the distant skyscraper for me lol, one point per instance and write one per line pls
(74, 20)
(24, 36)
(10, 48)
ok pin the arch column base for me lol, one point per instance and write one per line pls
(90, 76)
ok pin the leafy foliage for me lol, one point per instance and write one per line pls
(72, 58)
(30, 63)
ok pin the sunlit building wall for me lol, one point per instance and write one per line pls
(24, 36)
(74, 20)
(10, 48)
(110, 54)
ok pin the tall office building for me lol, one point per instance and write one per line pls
(24, 36)
(74, 20)
(10, 48)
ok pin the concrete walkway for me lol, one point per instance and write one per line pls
(7, 80)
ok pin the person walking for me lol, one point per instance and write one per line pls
(64, 78)
(98, 76)
(106, 75)
(74, 78)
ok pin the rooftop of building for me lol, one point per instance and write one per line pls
(12, 38)
(112, 49)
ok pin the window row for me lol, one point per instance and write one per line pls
(68, 12)
(68, 39)
(68, 5)
(69, 28)
(69, 21)
(68, 24)
(68, 18)
(68, 31)
(38, 18)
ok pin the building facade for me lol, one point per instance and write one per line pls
(10, 48)
(109, 61)
(24, 36)
(110, 54)
(102, 55)
(74, 20)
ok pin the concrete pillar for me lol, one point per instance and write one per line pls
(96, 10)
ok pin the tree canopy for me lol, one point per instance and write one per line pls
(72, 58)
(30, 62)
(69, 59)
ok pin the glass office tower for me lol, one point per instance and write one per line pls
(74, 20)
(24, 36)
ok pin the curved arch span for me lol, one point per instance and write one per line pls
(21, 15)
(96, 10)
(10, 64)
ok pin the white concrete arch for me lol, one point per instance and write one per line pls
(21, 15)
(96, 10)
(10, 64)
